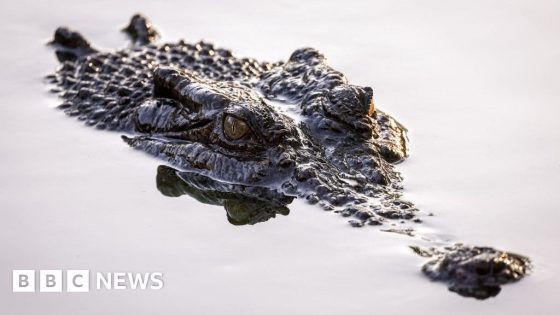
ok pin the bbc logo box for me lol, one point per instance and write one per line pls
(50, 281)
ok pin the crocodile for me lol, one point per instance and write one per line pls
(253, 135)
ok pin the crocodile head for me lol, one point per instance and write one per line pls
(229, 132)
(222, 130)
(206, 111)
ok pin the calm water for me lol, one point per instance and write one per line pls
(476, 84)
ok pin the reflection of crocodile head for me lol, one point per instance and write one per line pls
(241, 130)
(243, 205)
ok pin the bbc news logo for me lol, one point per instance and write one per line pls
(79, 281)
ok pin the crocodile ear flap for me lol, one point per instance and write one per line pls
(187, 89)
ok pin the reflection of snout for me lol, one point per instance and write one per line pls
(243, 205)
(252, 211)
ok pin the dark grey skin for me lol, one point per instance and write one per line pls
(227, 124)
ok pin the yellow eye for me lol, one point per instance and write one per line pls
(234, 128)
(371, 108)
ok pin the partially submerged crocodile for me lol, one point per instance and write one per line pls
(253, 135)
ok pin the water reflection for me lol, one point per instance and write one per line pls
(243, 204)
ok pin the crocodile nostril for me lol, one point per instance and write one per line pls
(499, 266)
(482, 268)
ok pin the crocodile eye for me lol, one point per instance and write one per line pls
(371, 107)
(234, 128)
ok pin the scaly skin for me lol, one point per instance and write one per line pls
(246, 134)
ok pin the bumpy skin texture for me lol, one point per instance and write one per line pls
(174, 99)
(246, 134)
(474, 271)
